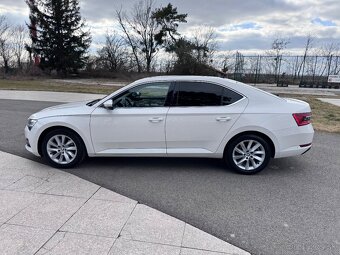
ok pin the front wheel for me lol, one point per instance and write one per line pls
(248, 154)
(63, 149)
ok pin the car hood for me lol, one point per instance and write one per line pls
(78, 108)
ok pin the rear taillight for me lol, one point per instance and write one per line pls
(302, 119)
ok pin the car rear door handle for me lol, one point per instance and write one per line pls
(223, 119)
(156, 119)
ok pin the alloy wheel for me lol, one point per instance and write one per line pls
(249, 155)
(61, 149)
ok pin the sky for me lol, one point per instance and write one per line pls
(249, 26)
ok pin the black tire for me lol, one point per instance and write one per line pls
(248, 156)
(80, 152)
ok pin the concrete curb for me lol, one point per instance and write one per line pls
(47, 96)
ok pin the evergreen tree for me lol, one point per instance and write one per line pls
(168, 19)
(58, 35)
(185, 49)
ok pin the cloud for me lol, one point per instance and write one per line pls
(240, 25)
(15, 14)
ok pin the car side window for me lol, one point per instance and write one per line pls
(198, 94)
(146, 95)
(230, 97)
(204, 94)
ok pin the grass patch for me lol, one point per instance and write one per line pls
(326, 117)
(56, 86)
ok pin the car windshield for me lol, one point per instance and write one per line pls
(93, 102)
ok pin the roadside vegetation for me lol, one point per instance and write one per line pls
(56, 86)
(326, 117)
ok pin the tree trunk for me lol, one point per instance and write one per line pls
(6, 66)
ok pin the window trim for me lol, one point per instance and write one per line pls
(176, 89)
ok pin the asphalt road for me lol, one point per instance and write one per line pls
(292, 207)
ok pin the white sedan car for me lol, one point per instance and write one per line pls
(175, 116)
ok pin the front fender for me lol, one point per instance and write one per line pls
(77, 123)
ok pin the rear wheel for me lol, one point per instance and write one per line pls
(248, 154)
(63, 148)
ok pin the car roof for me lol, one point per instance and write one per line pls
(185, 78)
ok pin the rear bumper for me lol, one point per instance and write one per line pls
(294, 141)
(293, 151)
(307, 150)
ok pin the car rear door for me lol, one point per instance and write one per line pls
(200, 116)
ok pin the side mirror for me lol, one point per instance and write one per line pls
(108, 104)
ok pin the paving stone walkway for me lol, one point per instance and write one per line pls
(47, 211)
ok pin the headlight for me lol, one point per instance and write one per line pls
(31, 123)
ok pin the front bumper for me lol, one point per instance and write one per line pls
(31, 141)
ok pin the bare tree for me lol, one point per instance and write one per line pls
(19, 37)
(204, 41)
(129, 37)
(140, 28)
(277, 48)
(5, 44)
(3, 25)
(307, 48)
(227, 62)
(279, 44)
(113, 55)
(329, 51)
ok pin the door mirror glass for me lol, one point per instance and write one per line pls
(108, 105)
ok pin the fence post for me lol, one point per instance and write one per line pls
(256, 70)
(314, 70)
(295, 68)
(329, 65)
(336, 65)
(259, 71)
(279, 70)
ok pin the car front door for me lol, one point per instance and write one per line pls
(135, 125)
(201, 115)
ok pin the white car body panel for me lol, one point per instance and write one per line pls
(182, 131)
(189, 129)
(78, 123)
(129, 130)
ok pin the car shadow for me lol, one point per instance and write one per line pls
(275, 167)
(155, 163)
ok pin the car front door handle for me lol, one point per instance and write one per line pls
(223, 119)
(156, 119)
